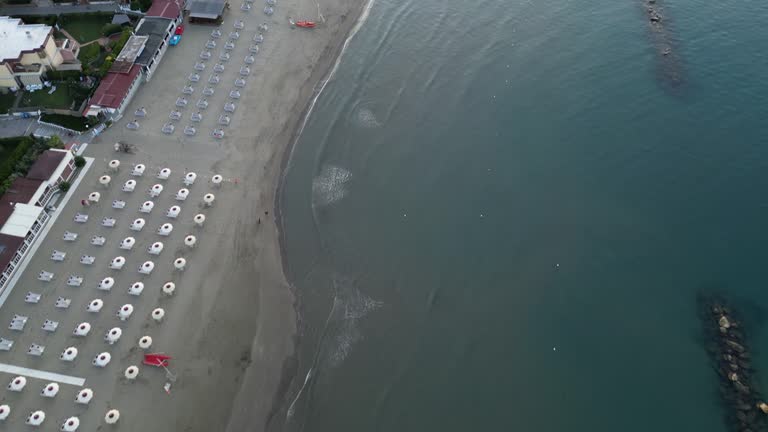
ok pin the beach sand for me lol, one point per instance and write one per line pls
(231, 328)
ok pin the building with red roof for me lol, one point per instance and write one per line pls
(170, 9)
(114, 92)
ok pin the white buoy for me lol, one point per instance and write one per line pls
(117, 263)
(95, 305)
(147, 267)
(147, 207)
(217, 179)
(138, 170)
(71, 424)
(138, 224)
(155, 248)
(164, 174)
(82, 330)
(131, 372)
(189, 179)
(155, 190)
(182, 194)
(112, 416)
(106, 284)
(125, 311)
(208, 199)
(114, 164)
(129, 186)
(145, 342)
(5, 410)
(113, 335)
(69, 354)
(36, 418)
(127, 243)
(158, 314)
(169, 288)
(17, 384)
(136, 289)
(50, 390)
(173, 212)
(165, 229)
(94, 197)
(84, 396)
(179, 264)
(102, 359)
(190, 240)
(199, 219)
(105, 180)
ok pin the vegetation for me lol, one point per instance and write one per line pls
(18, 2)
(73, 75)
(76, 123)
(6, 102)
(142, 5)
(39, 19)
(66, 96)
(79, 161)
(110, 29)
(12, 152)
(64, 186)
(85, 27)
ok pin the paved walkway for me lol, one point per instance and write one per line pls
(13, 127)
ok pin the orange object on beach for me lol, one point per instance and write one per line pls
(157, 360)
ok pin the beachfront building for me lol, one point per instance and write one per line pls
(27, 51)
(23, 208)
(158, 32)
(206, 11)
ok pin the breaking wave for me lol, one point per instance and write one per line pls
(330, 186)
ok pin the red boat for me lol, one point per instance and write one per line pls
(305, 24)
(157, 360)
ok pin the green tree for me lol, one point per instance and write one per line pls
(79, 161)
(64, 186)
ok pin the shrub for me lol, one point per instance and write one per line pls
(8, 164)
(79, 161)
(89, 53)
(110, 29)
(52, 75)
(64, 186)
(55, 142)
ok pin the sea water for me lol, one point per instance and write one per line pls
(499, 215)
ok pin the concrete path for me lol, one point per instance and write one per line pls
(13, 127)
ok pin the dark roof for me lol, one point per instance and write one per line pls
(153, 26)
(153, 43)
(45, 165)
(8, 247)
(170, 9)
(22, 189)
(120, 19)
(114, 88)
(209, 9)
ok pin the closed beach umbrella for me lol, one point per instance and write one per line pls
(136, 288)
(164, 174)
(69, 354)
(217, 179)
(114, 164)
(107, 283)
(105, 180)
(189, 178)
(179, 263)
(113, 335)
(112, 416)
(50, 390)
(190, 240)
(208, 199)
(145, 342)
(199, 219)
(17, 384)
(71, 424)
(125, 312)
(84, 396)
(95, 305)
(102, 359)
(94, 197)
(36, 418)
(158, 314)
(5, 410)
(131, 372)
(182, 194)
(169, 288)
(82, 329)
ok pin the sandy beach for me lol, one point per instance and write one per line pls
(231, 327)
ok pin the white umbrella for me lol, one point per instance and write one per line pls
(129, 186)
(95, 305)
(36, 418)
(179, 263)
(145, 342)
(155, 248)
(94, 197)
(113, 335)
(182, 194)
(190, 240)
(138, 224)
(17, 384)
(50, 390)
(82, 329)
(173, 212)
(127, 243)
(158, 314)
(199, 219)
(105, 180)
(102, 359)
(208, 199)
(138, 170)
(131, 372)
(169, 288)
(136, 288)
(164, 174)
(165, 229)
(114, 164)
(117, 263)
(69, 354)
(106, 284)
(112, 416)
(147, 207)
(189, 178)
(71, 424)
(5, 410)
(125, 312)
(147, 267)
(84, 396)
(217, 179)
(155, 190)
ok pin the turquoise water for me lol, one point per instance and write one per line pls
(499, 216)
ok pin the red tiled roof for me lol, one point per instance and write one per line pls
(22, 189)
(114, 88)
(45, 165)
(165, 9)
(8, 247)
(68, 56)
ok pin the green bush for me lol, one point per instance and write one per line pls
(64, 186)
(52, 75)
(110, 29)
(70, 122)
(117, 45)
(39, 19)
(79, 161)
(18, 2)
(8, 164)
(89, 53)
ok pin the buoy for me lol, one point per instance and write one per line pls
(217, 179)
(5, 410)
(147, 267)
(182, 194)
(17, 384)
(69, 354)
(147, 207)
(84, 396)
(95, 305)
(50, 390)
(127, 243)
(114, 164)
(36, 418)
(189, 179)
(208, 199)
(131, 372)
(136, 289)
(102, 359)
(179, 263)
(169, 288)
(112, 416)
(107, 283)
(113, 335)
(125, 312)
(199, 219)
(71, 424)
(94, 197)
(155, 248)
(158, 314)
(164, 174)
(138, 170)
(105, 180)
(155, 190)
(117, 263)
(145, 342)
(82, 329)
(190, 240)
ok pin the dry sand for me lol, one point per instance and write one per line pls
(231, 328)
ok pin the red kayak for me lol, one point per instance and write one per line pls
(305, 24)
(157, 360)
